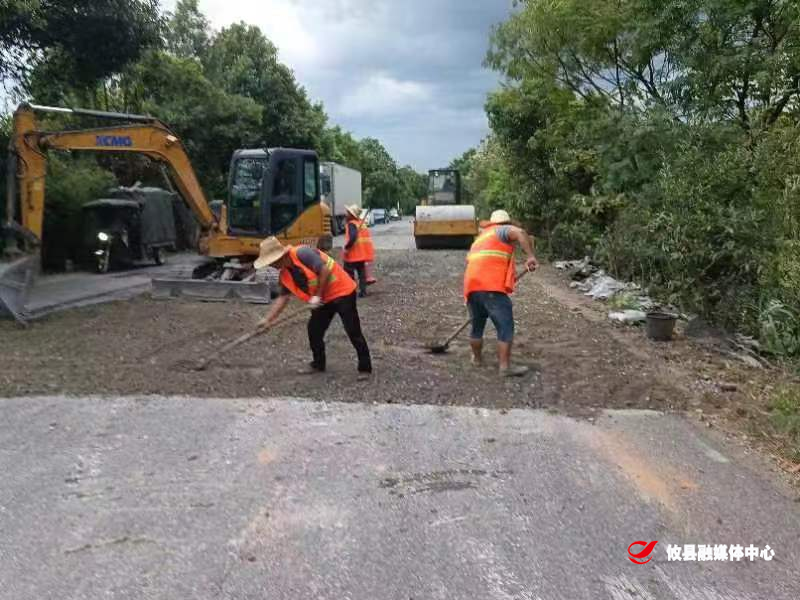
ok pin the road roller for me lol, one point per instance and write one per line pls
(441, 221)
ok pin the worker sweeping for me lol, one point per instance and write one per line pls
(489, 280)
(315, 278)
(358, 248)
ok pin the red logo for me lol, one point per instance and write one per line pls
(648, 549)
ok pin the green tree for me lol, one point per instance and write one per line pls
(244, 62)
(210, 122)
(86, 41)
(187, 32)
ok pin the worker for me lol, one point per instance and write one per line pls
(315, 278)
(489, 280)
(358, 248)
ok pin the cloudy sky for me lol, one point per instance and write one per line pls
(407, 72)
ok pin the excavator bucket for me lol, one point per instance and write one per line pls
(212, 290)
(16, 280)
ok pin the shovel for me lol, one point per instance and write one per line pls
(442, 348)
(259, 330)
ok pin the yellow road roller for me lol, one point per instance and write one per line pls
(441, 221)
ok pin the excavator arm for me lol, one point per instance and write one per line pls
(150, 138)
(28, 170)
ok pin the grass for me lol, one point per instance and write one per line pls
(785, 417)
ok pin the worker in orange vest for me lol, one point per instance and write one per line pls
(489, 280)
(358, 248)
(315, 278)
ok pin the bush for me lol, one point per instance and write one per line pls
(785, 416)
(779, 329)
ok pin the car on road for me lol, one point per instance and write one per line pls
(380, 215)
(394, 215)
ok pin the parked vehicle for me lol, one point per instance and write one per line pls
(121, 232)
(380, 215)
(368, 217)
(341, 187)
(394, 215)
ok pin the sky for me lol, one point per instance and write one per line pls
(408, 72)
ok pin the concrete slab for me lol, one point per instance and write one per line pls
(54, 293)
(286, 499)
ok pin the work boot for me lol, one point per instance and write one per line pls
(514, 371)
(310, 369)
(363, 376)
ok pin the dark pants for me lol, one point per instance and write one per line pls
(358, 267)
(495, 306)
(320, 321)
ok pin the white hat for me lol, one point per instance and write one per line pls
(270, 251)
(500, 217)
(354, 210)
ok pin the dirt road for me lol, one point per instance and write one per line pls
(139, 346)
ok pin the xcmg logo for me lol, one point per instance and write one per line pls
(114, 140)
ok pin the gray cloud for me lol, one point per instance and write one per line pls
(408, 73)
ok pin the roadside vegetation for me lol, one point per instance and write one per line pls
(661, 138)
(218, 90)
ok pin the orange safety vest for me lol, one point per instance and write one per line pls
(363, 250)
(339, 282)
(490, 265)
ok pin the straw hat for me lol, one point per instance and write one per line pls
(500, 217)
(354, 210)
(270, 251)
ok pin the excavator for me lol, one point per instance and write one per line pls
(270, 192)
(441, 221)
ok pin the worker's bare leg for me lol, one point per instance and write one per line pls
(504, 355)
(477, 352)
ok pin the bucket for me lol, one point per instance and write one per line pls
(660, 326)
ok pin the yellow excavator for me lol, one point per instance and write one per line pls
(270, 192)
(441, 221)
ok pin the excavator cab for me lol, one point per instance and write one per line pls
(270, 189)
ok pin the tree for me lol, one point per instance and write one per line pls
(211, 123)
(86, 40)
(188, 31)
(697, 59)
(244, 62)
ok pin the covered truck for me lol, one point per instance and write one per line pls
(341, 187)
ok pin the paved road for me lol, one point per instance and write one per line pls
(283, 499)
(54, 293)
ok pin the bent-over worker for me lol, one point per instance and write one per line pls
(315, 278)
(489, 280)
(358, 248)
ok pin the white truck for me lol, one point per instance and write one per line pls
(341, 187)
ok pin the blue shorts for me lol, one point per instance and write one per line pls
(494, 306)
